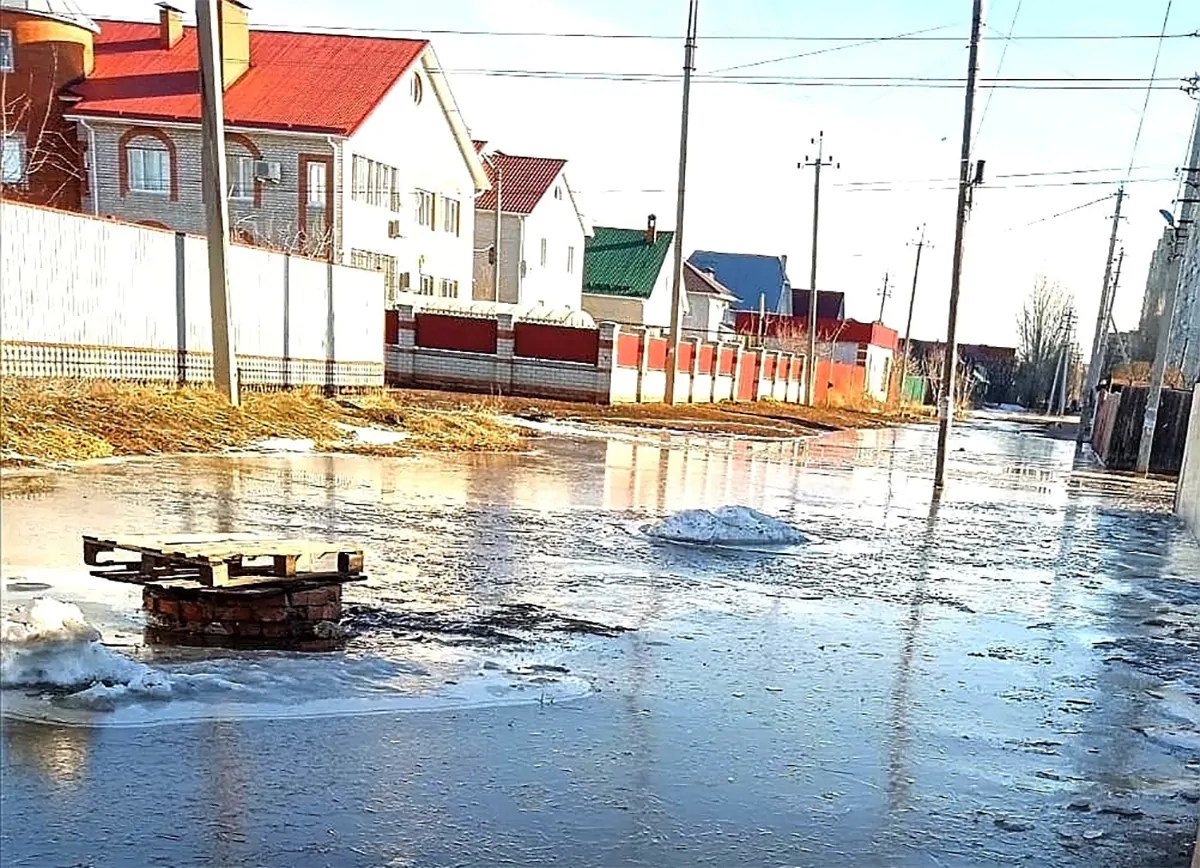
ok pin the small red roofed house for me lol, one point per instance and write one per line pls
(542, 233)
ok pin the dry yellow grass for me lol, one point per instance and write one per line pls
(55, 421)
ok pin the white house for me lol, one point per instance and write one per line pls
(542, 234)
(627, 276)
(709, 305)
(381, 175)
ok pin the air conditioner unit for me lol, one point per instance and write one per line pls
(393, 229)
(266, 170)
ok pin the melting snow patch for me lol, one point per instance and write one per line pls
(53, 646)
(284, 444)
(373, 436)
(729, 525)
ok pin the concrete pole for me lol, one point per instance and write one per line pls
(883, 296)
(811, 380)
(950, 365)
(689, 66)
(912, 303)
(216, 205)
(499, 221)
(1099, 340)
(1185, 223)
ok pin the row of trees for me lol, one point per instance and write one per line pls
(1046, 335)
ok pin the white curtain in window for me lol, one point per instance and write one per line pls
(149, 170)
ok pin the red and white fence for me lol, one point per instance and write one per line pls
(606, 365)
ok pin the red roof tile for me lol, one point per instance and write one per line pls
(304, 81)
(524, 179)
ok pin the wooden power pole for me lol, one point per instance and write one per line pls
(689, 66)
(810, 376)
(950, 366)
(216, 206)
(912, 303)
(1100, 339)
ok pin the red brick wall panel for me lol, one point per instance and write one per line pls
(539, 341)
(456, 333)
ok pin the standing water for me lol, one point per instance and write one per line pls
(1004, 678)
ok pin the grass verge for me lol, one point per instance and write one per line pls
(57, 421)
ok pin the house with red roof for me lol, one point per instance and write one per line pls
(542, 233)
(345, 147)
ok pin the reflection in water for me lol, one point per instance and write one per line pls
(57, 753)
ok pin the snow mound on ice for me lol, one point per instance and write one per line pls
(729, 525)
(51, 644)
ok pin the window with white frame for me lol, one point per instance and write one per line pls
(424, 208)
(6, 51)
(13, 166)
(449, 288)
(374, 183)
(316, 187)
(570, 260)
(427, 284)
(241, 177)
(545, 253)
(450, 215)
(149, 169)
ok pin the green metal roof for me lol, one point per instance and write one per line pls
(620, 262)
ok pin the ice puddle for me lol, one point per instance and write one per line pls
(729, 526)
(54, 668)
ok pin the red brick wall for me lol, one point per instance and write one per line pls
(707, 357)
(748, 378)
(683, 359)
(629, 351)
(456, 333)
(657, 355)
(539, 341)
(727, 364)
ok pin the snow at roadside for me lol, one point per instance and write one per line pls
(729, 525)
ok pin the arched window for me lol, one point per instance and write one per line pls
(149, 164)
(241, 153)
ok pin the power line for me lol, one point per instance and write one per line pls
(999, 68)
(897, 37)
(1062, 213)
(1153, 72)
(1008, 175)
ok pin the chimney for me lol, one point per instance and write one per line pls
(170, 25)
(233, 25)
(651, 229)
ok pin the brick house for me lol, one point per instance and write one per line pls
(542, 234)
(45, 45)
(345, 147)
(626, 276)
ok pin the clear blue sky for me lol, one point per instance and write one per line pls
(745, 192)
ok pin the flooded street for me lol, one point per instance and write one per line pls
(1006, 678)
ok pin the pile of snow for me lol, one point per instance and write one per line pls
(52, 645)
(729, 525)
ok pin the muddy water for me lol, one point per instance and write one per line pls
(1006, 678)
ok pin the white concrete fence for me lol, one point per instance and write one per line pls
(1187, 492)
(82, 297)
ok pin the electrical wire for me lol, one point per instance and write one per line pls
(875, 41)
(1146, 105)
(999, 68)
(1062, 213)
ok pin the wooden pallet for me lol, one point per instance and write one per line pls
(222, 560)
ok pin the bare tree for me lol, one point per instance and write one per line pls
(1044, 331)
(50, 156)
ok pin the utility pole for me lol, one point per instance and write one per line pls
(912, 303)
(1063, 368)
(1185, 223)
(1112, 323)
(821, 160)
(215, 189)
(499, 218)
(883, 296)
(1099, 342)
(689, 66)
(965, 183)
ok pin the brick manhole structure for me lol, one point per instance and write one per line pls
(234, 590)
(303, 616)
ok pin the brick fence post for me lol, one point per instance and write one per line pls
(401, 356)
(697, 343)
(606, 361)
(643, 359)
(505, 348)
(738, 352)
(775, 375)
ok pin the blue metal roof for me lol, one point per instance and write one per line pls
(750, 277)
